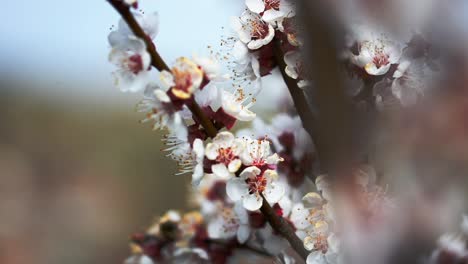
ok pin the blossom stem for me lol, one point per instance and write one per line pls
(297, 94)
(158, 62)
(210, 129)
(283, 228)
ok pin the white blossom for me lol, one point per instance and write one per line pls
(271, 10)
(258, 153)
(123, 37)
(231, 222)
(224, 152)
(376, 52)
(159, 109)
(252, 30)
(251, 185)
(133, 63)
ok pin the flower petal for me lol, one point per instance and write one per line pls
(243, 233)
(236, 189)
(256, 6)
(252, 202)
(220, 170)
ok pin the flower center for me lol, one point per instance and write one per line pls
(257, 184)
(258, 29)
(135, 63)
(231, 222)
(182, 79)
(380, 59)
(225, 155)
(272, 4)
(321, 243)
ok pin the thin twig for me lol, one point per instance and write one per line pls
(297, 94)
(284, 228)
(158, 62)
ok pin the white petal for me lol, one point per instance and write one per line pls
(246, 115)
(241, 213)
(220, 170)
(372, 69)
(316, 257)
(312, 199)
(243, 233)
(250, 172)
(162, 96)
(197, 174)
(256, 6)
(252, 202)
(151, 24)
(240, 52)
(211, 151)
(198, 148)
(234, 165)
(273, 192)
(236, 189)
(224, 137)
(274, 159)
(271, 15)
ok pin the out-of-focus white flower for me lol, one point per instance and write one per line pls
(283, 125)
(313, 222)
(139, 259)
(251, 185)
(273, 243)
(258, 130)
(252, 30)
(184, 79)
(376, 52)
(158, 106)
(271, 10)
(258, 153)
(464, 225)
(123, 37)
(231, 221)
(409, 84)
(133, 64)
(451, 248)
(224, 152)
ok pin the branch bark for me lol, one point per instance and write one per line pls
(284, 228)
(297, 94)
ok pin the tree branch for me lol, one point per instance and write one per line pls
(297, 94)
(284, 228)
(158, 62)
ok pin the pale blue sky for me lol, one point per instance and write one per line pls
(64, 43)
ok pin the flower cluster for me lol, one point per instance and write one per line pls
(246, 181)
(265, 33)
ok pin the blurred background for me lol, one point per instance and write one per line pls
(79, 174)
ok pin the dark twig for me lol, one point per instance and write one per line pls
(284, 228)
(297, 94)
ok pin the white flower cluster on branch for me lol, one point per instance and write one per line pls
(257, 189)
